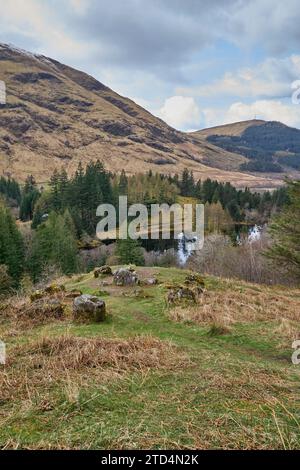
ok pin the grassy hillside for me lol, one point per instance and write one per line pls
(217, 375)
(56, 116)
(234, 129)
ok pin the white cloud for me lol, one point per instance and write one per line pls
(79, 6)
(40, 24)
(271, 78)
(268, 110)
(180, 112)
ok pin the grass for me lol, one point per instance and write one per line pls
(217, 375)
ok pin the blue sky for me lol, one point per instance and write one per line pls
(194, 63)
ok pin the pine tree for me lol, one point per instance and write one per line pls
(185, 183)
(130, 252)
(285, 232)
(55, 193)
(54, 243)
(30, 195)
(123, 184)
(11, 245)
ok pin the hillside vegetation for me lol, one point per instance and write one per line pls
(56, 116)
(217, 374)
(265, 146)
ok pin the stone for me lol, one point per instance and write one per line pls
(55, 289)
(151, 282)
(137, 293)
(89, 308)
(125, 277)
(195, 279)
(181, 294)
(103, 271)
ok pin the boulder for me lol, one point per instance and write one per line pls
(181, 295)
(125, 277)
(103, 271)
(89, 308)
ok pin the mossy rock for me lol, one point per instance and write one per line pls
(137, 294)
(37, 295)
(89, 308)
(55, 289)
(195, 278)
(103, 271)
(125, 277)
(181, 295)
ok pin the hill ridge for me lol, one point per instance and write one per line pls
(56, 116)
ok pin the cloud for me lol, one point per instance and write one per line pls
(30, 24)
(160, 35)
(180, 112)
(152, 49)
(268, 110)
(269, 79)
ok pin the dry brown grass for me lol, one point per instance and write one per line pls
(61, 139)
(242, 303)
(76, 361)
(20, 312)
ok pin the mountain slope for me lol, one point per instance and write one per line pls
(56, 116)
(267, 146)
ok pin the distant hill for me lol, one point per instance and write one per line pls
(56, 116)
(268, 146)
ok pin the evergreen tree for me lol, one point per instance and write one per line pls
(30, 195)
(11, 245)
(10, 189)
(56, 202)
(130, 252)
(285, 232)
(123, 184)
(54, 243)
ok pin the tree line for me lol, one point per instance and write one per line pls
(64, 211)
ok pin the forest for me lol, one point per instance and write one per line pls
(53, 227)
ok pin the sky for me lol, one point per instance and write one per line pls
(194, 63)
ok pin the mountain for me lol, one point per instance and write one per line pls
(267, 146)
(56, 116)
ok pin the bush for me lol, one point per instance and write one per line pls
(167, 259)
(246, 261)
(130, 252)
